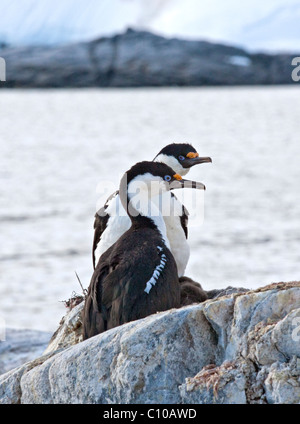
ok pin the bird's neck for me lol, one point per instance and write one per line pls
(172, 163)
(145, 213)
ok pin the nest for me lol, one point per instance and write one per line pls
(74, 300)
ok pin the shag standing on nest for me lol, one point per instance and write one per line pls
(137, 276)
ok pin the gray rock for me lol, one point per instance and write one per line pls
(283, 382)
(214, 294)
(286, 341)
(10, 390)
(223, 385)
(257, 337)
(236, 349)
(69, 331)
(136, 59)
(140, 362)
(10, 382)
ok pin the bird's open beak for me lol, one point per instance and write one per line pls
(195, 160)
(186, 184)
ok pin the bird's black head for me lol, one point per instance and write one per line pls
(180, 157)
(153, 171)
(150, 179)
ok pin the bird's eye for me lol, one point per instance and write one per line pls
(181, 157)
(167, 178)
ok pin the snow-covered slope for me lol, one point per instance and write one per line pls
(254, 24)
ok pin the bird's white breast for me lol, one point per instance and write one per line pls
(178, 243)
(117, 224)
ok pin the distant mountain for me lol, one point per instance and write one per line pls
(139, 59)
(253, 24)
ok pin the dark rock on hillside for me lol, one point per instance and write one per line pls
(136, 59)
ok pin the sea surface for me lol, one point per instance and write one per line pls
(62, 149)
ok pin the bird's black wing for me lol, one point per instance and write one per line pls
(103, 291)
(184, 218)
(117, 293)
(94, 316)
(100, 223)
(131, 269)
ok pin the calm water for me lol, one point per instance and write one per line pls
(57, 146)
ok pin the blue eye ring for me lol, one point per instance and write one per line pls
(181, 157)
(167, 178)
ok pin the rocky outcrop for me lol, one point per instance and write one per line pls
(136, 59)
(258, 358)
(239, 348)
(69, 331)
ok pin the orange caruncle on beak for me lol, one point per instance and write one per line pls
(192, 155)
(177, 177)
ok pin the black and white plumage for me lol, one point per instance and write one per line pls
(137, 276)
(110, 224)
